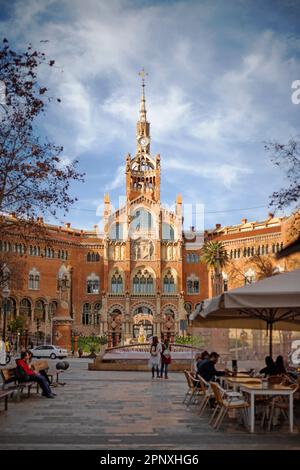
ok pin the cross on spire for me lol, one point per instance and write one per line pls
(143, 112)
(143, 74)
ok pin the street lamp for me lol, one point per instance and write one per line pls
(5, 295)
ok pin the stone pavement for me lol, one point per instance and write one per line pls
(122, 410)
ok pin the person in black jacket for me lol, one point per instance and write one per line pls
(207, 370)
(270, 367)
(279, 366)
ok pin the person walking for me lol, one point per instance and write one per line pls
(155, 357)
(165, 358)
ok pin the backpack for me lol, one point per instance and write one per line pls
(21, 374)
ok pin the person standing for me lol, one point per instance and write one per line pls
(165, 358)
(155, 357)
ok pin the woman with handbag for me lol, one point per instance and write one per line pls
(155, 359)
(165, 358)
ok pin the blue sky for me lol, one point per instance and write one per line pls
(219, 85)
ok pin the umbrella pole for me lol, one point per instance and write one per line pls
(271, 339)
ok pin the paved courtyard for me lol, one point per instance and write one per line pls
(122, 410)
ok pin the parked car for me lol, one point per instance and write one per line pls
(48, 350)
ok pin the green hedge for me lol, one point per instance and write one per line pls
(196, 341)
(90, 344)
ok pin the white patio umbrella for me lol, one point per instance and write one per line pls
(273, 302)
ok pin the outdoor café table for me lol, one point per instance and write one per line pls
(272, 390)
(236, 382)
(223, 378)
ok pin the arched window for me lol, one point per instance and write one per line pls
(167, 232)
(263, 249)
(52, 308)
(192, 285)
(169, 283)
(92, 257)
(12, 309)
(34, 279)
(116, 283)
(93, 284)
(116, 231)
(39, 310)
(86, 314)
(143, 283)
(245, 252)
(142, 221)
(97, 308)
(25, 308)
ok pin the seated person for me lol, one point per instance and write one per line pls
(207, 370)
(270, 367)
(25, 374)
(41, 372)
(197, 358)
(279, 366)
(201, 359)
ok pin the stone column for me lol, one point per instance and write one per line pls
(104, 313)
(62, 322)
(75, 347)
(62, 327)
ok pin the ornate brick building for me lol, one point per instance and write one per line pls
(141, 273)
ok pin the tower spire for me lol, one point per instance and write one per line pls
(143, 112)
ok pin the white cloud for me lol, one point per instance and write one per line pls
(118, 181)
(226, 174)
(214, 91)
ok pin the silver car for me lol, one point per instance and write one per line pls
(48, 350)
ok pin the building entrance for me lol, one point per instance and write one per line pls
(142, 324)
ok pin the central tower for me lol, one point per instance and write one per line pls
(143, 171)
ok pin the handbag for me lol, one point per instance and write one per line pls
(167, 353)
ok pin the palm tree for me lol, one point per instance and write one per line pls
(215, 257)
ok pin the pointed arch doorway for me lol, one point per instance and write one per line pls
(142, 324)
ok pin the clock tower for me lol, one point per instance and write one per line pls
(143, 171)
